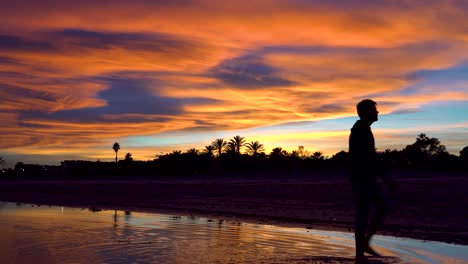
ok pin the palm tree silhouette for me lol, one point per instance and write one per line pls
(209, 150)
(176, 152)
(317, 155)
(231, 147)
(278, 152)
(116, 148)
(219, 145)
(237, 143)
(254, 148)
(192, 152)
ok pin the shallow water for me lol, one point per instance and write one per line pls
(32, 234)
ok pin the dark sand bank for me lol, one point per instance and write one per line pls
(430, 208)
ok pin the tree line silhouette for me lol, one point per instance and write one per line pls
(237, 157)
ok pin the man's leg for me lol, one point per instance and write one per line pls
(362, 204)
(381, 209)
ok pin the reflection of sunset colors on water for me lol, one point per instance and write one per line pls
(52, 235)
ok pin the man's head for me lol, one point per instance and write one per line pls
(367, 110)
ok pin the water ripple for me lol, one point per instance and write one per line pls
(64, 235)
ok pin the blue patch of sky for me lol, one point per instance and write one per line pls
(447, 78)
(459, 72)
(169, 139)
(436, 114)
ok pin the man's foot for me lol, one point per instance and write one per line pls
(371, 251)
(361, 259)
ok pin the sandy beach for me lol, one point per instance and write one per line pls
(428, 208)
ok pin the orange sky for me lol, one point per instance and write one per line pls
(156, 76)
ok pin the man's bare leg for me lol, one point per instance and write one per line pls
(375, 221)
(361, 246)
(372, 229)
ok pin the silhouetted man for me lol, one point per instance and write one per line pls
(364, 170)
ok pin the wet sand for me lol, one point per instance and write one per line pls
(429, 208)
(51, 234)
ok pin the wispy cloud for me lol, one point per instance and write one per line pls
(83, 74)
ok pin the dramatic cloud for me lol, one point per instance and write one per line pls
(15, 43)
(76, 76)
(247, 72)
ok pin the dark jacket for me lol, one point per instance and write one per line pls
(362, 154)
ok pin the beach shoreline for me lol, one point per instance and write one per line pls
(323, 204)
